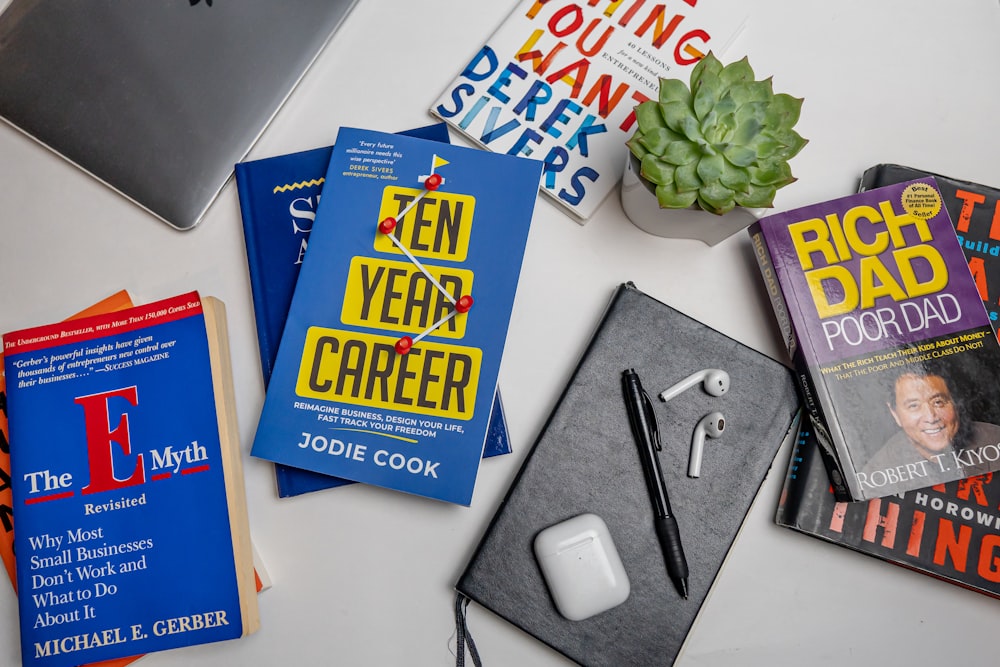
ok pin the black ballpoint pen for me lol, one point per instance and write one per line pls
(647, 437)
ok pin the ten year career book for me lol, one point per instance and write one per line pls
(125, 461)
(389, 358)
(893, 349)
(278, 200)
(559, 81)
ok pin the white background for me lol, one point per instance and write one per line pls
(364, 576)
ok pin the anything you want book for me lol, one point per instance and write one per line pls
(893, 349)
(125, 461)
(389, 358)
(558, 81)
(949, 531)
(974, 209)
(278, 198)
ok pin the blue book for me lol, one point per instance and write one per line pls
(125, 462)
(388, 363)
(278, 200)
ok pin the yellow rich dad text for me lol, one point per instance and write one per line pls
(832, 241)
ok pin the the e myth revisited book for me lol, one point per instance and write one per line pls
(125, 462)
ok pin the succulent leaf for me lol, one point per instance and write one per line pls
(709, 67)
(669, 197)
(706, 95)
(759, 91)
(656, 170)
(784, 111)
(709, 124)
(673, 90)
(740, 156)
(656, 141)
(710, 168)
(726, 104)
(691, 129)
(648, 116)
(721, 141)
(635, 146)
(726, 130)
(759, 196)
(791, 143)
(765, 147)
(746, 131)
(674, 113)
(737, 72)
(717, 198)
(774, 173)
(755, 112)
(679, 153)
(686, 178)
(735, 178)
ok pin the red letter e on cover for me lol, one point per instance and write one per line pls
(100, 437)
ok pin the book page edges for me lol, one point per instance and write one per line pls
(225, 406)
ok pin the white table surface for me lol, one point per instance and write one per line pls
(364, 576)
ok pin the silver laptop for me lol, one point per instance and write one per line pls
(159, 99)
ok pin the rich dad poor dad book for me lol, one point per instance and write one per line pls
(389, 359)
(893, 350)
(132, 532)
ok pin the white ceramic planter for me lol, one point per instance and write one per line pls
(644, 211)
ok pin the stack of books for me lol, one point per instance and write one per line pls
(390, 379)
(888, 303)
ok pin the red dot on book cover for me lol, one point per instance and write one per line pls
(387, 225)
(404, 345)
(432, 182)
(463, 304)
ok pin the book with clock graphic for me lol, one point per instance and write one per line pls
(391, 351)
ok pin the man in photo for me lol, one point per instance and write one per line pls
(934, 429)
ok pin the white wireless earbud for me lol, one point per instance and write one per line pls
(712, 425)
(715, 382)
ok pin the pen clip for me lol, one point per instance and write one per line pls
(654, 429)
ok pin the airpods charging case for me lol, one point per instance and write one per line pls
(581, 567)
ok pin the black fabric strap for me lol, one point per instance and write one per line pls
(462, 635)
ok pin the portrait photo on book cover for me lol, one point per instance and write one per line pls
(940, 418)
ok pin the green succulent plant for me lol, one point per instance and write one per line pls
(723, 142)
